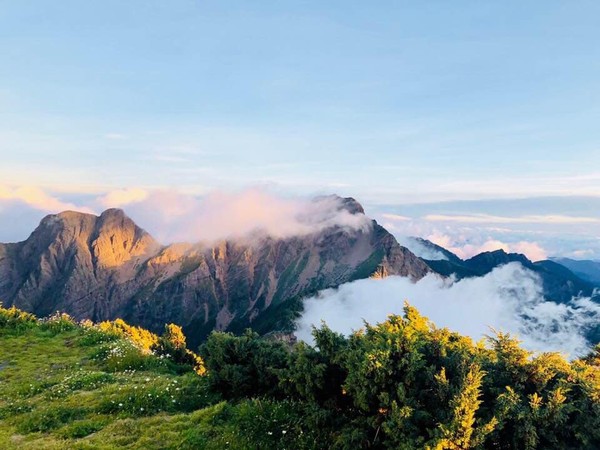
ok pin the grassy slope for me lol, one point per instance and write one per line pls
(59, 392)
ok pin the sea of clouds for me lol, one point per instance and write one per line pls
(508, 299)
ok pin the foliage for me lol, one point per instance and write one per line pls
(172, 344)
(243, 366)
(140, 337)
(405, 384)
(401, 384)
(15, 320)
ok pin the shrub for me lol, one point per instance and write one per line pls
(142, 338)
(58, 323)
(406, 384)
(121, 355)
(244, 366)
(15, 320)
(92, 336)
(172, 344)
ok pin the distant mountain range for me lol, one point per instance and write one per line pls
(560, 279)
(588, 270)
(104, 267)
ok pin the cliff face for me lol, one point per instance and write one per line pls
(72, 262)
(106, 267)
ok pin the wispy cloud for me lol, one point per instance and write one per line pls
(395, 217)
(486, 218)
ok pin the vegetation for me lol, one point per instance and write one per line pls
(402, 384)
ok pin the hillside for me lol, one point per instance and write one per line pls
(403, 384)
(104, 267)
(66, 386)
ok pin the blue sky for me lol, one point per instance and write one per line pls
(390, 102)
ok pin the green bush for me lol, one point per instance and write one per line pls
(58, 323)
(120, 355)
(244, 366)
(405, 384)
(92, 336)
(15, 320)
(172, 345)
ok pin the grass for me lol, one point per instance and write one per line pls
(71, 387)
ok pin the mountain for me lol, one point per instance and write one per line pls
(103, 267)
(585, 269)
(559, 283)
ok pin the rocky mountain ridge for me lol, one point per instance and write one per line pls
(103, 267)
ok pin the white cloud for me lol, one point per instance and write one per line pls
(421, 250)
(508, 299)
(122, 197)
(22, 207)
(172, 216)
(36, 198)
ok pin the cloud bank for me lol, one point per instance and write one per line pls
(508, 299)
(174, 217)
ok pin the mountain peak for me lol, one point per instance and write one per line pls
(116, 213)
(349, 204)
(65, 217)
(105, 266)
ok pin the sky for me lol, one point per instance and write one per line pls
(438, 113)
